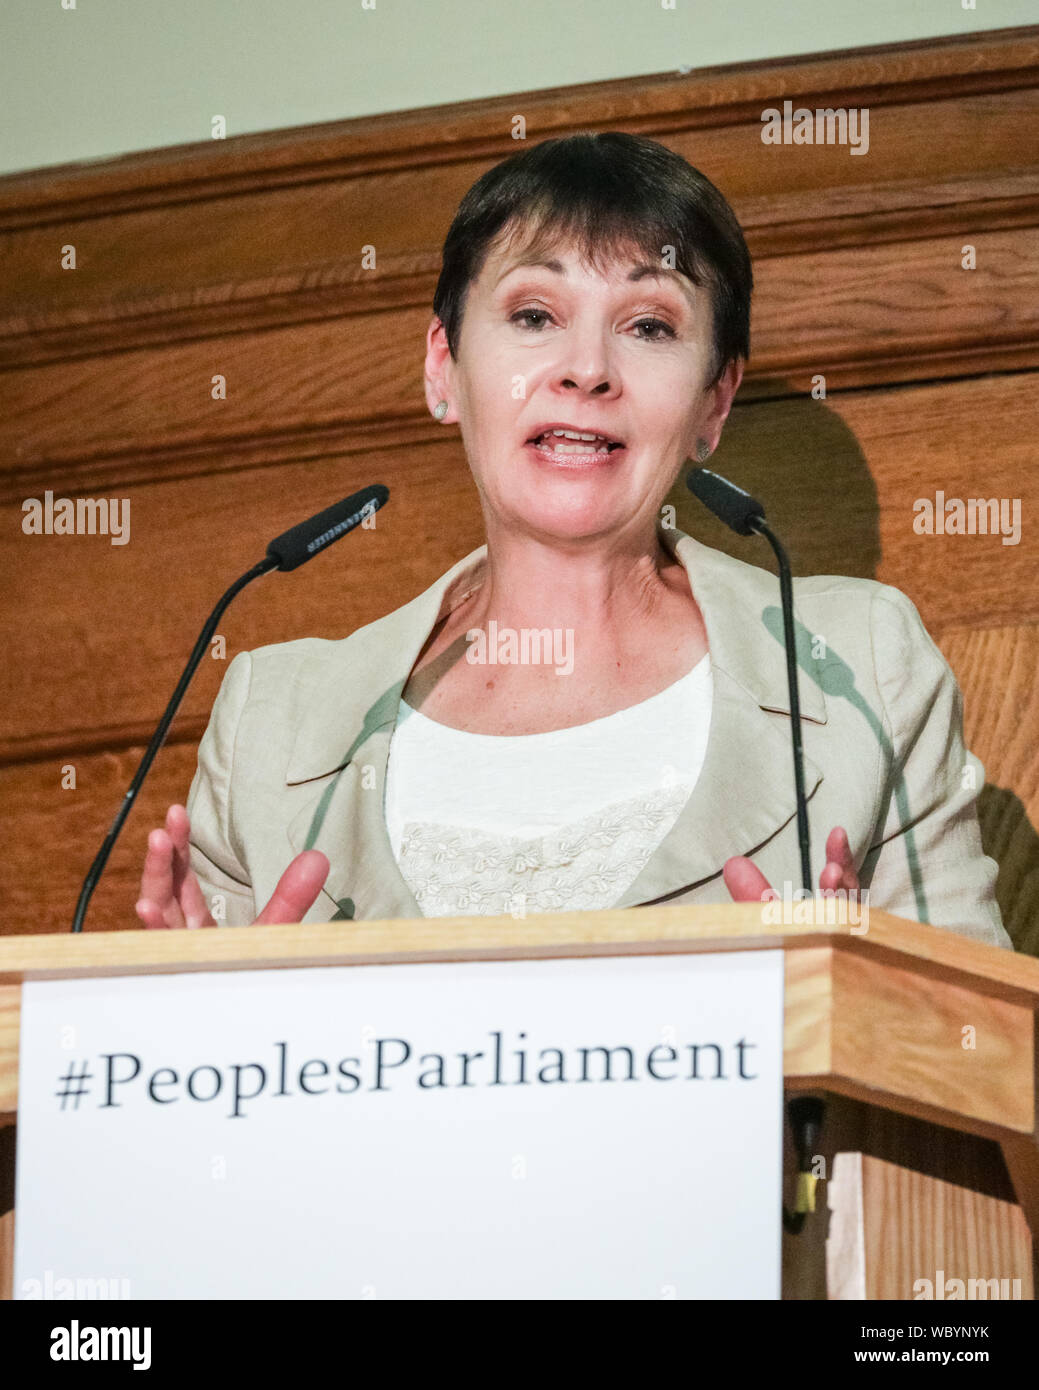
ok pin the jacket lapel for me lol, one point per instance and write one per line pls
(343, 729)
(745, 791)
(743, 797)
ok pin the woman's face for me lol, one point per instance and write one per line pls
(625, 354)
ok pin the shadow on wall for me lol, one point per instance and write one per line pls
(1011, 840)
(805, 464)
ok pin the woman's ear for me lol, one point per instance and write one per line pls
(437, 367)
(723, 392)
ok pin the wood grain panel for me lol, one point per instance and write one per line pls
(112, 625)
(997, 669)
(840, 477)
(10, 1024)
(185, 273)
(58, 833)
(899, 1036)
(808, 1012)
(905, 1198)
(915, 1225)
(886, 305)
(105, 645)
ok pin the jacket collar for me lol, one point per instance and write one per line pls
(743, 797)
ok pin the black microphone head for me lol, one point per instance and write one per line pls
(728, 502)
(300, 544)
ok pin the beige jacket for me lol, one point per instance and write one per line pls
(296, 750)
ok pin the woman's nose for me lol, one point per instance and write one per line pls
(585, 363)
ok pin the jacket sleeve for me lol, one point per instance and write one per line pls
(926, 860)
(214, 858)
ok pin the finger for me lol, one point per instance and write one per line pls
(839, 871)
(838, 850)
(157, 874)
(193, 903)
(185, 882)
(297, 889)
(178, 825)
(745, 881)
(150, 914)
(178, 828)
(157, 880)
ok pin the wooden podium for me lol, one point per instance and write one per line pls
(921, 1043)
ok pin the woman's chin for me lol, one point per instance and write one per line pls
(569, 519)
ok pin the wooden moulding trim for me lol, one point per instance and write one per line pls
(206, 455)
(407, 282)
(807, 1012)
(980, 352)
(106, 739)
(835, 1083)
(203, 456)
(996, 60)
(833, 1009)
(899, 1031)
(938, 953)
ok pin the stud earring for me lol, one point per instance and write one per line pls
(440, 410)
(703, 451)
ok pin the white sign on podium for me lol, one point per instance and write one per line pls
(594, 1128)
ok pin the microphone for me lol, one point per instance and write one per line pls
(746, 516)
(728, 502)
(286, 552)
(305, 540)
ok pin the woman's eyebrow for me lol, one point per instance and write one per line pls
(638, 272)
(659, 272)
(528, 263)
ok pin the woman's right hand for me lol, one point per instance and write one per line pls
(171, 896)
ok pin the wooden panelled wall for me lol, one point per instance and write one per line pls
(242, 258)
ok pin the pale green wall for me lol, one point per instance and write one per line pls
(112, 76)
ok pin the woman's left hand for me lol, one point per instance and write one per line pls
(748, 884)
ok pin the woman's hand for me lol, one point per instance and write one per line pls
(172, 898)
(748, 884)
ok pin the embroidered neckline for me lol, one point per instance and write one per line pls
(583, 865)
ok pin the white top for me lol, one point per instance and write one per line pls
(490, 823)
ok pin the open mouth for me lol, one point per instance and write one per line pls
(574, 443)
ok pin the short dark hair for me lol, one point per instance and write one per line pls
(605, 192)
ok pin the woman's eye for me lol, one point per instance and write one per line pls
(657, 324)
(527, 314)
(658, 330)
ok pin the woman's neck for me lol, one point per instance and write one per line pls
(603, 590)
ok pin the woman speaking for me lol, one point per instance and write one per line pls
(590, 710)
